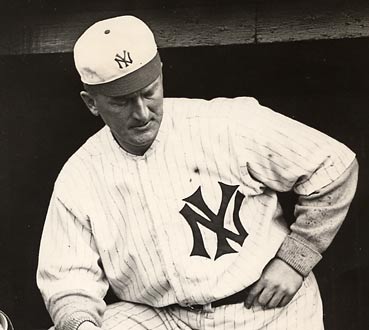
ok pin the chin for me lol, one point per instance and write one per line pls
(143, 143)
(146, 138)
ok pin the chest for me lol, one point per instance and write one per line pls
(162, 193)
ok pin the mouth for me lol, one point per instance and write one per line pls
(142, 127)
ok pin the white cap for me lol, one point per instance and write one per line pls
(117, 56)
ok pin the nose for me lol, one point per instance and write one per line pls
(140, 110)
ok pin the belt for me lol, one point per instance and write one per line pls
(230, 300)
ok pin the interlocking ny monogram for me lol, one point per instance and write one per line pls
(215, 222)
(126, 59)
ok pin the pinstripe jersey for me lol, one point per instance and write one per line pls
(195, 219)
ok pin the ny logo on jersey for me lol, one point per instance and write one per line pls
(214, 222)
(125, 59)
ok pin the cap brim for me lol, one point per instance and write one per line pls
(130, 83)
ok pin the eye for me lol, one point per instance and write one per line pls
(119, 102)
(149, 94)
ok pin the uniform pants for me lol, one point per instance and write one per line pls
(304, 312)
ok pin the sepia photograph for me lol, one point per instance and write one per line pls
(184, 165)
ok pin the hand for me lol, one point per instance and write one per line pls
(87, 325)
(276, 287)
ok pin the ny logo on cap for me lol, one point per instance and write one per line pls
(214, 222)
(125, 59)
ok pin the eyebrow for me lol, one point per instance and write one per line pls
(121, 97)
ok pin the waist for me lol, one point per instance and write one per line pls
(236, 298)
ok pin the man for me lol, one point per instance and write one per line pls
(173, 204)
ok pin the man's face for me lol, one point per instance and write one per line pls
(134, 119)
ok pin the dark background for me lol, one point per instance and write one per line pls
(43, 121)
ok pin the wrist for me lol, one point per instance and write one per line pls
(297, 253)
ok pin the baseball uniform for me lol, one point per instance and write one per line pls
(193, 220)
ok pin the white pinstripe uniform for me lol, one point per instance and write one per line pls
(130, 221)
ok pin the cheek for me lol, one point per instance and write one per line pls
(114, 119)
(113, 112)
(156, 107)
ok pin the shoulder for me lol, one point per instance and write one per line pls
(79, 165)
(213, 108)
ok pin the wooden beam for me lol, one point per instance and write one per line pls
(185, 27)
(297, 21)
(265, 22)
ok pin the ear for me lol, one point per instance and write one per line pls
(90, 102)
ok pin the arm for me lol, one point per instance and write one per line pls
(283, 155)
(318, 219)
(69, 276)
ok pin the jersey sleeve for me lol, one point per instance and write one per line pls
(318, 219)
(285, 155)
(69, 275)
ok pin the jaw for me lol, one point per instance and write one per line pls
(138, 143)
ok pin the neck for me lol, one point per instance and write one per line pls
(134, 150)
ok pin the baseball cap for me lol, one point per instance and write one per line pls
(117, 56)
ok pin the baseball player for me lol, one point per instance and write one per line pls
(173, 204)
